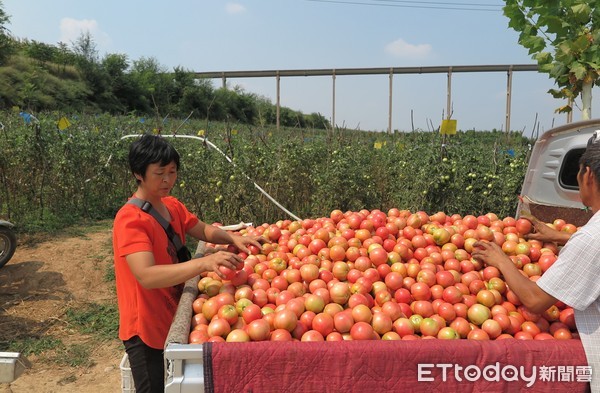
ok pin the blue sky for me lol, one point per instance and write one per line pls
(304, 34)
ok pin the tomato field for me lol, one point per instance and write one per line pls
(54, 173)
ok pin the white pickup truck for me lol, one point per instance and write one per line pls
(550, 186)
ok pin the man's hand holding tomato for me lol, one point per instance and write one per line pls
(545, 233)
(532, 296)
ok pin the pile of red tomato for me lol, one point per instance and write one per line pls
(370, 275)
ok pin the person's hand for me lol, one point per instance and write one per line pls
(226, 259)
(210, 250)
(242, 242)
(543, 232)
(490, 253)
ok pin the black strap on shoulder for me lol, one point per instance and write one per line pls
(147, 208)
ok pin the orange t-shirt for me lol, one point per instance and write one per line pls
(147, 313)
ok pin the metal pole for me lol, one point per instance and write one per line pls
(333, 103)
(224, 79)
(449, 94)
(508, 97)
(390, 103)
(278, 79)
(366, 71)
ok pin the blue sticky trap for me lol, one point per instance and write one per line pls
(142, 120)
(26, 117)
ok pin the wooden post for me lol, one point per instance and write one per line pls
(508, 97)
(448, 110)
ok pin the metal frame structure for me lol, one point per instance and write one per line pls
(333, 72)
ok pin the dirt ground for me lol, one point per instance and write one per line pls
(37, 286)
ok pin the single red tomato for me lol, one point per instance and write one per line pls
(323, 323)
(259, 330)
(361, 331)
(280, 335)
(523, 226)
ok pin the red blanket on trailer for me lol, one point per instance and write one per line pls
(397, 366)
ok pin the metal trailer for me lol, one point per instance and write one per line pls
(184, 363)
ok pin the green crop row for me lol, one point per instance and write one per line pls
(50, 177)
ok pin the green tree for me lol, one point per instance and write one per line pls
(5, 39)
(153, 81)
(40, 51)
(4, 19)
(121, 87)
(198, 98)
(93, 73)
(85, 47)
(571, 29)
(64, 56)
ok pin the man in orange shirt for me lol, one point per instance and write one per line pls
(149, 279)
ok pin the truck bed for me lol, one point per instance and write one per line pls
(367, 366)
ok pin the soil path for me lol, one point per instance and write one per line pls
(37, 287)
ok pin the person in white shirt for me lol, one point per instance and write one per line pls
(574, 276)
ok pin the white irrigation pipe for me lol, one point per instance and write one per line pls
(212, 145)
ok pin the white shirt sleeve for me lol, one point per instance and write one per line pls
(574, 278)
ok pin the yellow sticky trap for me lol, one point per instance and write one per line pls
(377, 145)
(448, 127)
(233, 132)
(155, 131)
(63, 123)
(201, 133)
(16, 109)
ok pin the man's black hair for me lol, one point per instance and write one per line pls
(151, 149)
